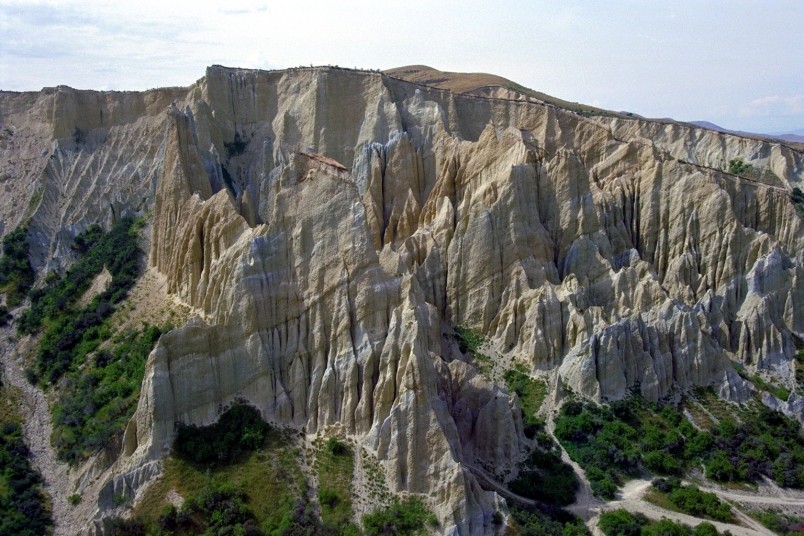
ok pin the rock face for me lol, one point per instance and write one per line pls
(330, 227)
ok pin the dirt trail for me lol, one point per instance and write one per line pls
(36, 431)
(589, 507)
(633, 500)
(752, 498)
(586, 505)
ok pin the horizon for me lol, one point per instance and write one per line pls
(622, 57)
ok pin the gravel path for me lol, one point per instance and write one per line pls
(633, 500)
(36, 432)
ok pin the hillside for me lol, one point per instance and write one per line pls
(416, 278)
(483, 84)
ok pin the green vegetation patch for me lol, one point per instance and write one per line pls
(611, 443)
(263, 491)
(603, 440)
(23, 506)
(779, 522)
(334, 465)
(531, 393)
(738, 167)
(16, 273)
(239, 430)
(408, 517)
(691, 500)
(468, 339)
(72, 333)
(544, 477)
(97, 401)
(534, 522)
(621, 522)
(797, 197)
(779, 392)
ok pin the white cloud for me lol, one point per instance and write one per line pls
(773, 106)
(593, 52)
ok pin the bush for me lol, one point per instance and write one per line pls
(219, 509)
(336, 447)
(468, 339)
(547, 523)
(601, 442)
(22, 503)
(546, 478)
(16, 273)
(239, 430)
(779, 522)
(705, 529)
(115, 526)
(327, 497)
(71, 333)
(620, 522)
(610, 442)
(738, 167)
(693, 501)
(531, 394)
(407, 517)
(96, 403)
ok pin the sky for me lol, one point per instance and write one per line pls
(736, 63)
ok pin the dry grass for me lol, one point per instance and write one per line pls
(471, 82)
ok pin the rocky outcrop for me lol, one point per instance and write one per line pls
(330, 228)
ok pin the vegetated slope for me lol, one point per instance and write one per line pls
(332, 228)
(23, 505)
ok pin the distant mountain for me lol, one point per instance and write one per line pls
(796, 136)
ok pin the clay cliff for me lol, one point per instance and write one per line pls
(330, 229)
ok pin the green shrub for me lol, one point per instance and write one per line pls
(779, 522)
(693, 501)
(705, 529)
(96, 403)
(327, 497)
(16, 273)
(531, 393)
(407, 517)
(336, 447)
(22, 503)
(606, 446)
(611, 442)
(239, 430)
(334, 466)
(546, 478)
(666, 527)
(116, 526)
(72, 333)
(74, 499)
(620, 522)
(738, 167)
(547, 523)
(468, 339)
(219, 509)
